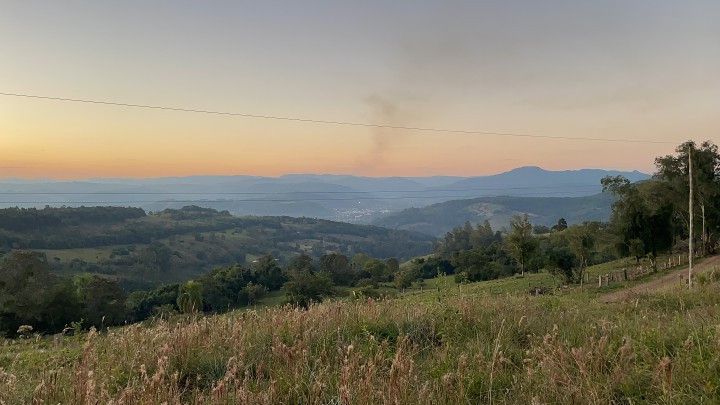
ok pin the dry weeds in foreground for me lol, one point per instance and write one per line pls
(511, 349)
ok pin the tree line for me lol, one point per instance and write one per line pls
(477, 253)
(654, 216)
(648, 218)
(30, 294)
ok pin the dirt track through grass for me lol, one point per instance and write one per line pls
(668, 281)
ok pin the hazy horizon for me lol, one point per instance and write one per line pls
(200, 175)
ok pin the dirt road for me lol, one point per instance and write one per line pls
(667, 281)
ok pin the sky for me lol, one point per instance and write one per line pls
(645, 70)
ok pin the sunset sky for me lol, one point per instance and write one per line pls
(646, 70)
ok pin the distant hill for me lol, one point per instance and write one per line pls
(143, 250)
(439, 218)
(536, 181)
(345, 198)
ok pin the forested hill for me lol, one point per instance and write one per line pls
(172, 245)
(437, 219)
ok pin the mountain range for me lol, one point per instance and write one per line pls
(345, 198)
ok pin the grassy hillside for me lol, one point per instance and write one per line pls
(478, 343)
(147, 249)
(439, 218)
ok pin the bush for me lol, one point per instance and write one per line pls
(306, 287)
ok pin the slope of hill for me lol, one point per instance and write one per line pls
(142, 249)
(485, 342)
(439, 218)
(532, 180)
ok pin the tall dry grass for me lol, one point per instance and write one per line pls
(507, 349)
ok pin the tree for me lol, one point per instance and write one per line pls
(466, 237)
(581, 240)
(143, 304)
(433, 266)
(61, 306)
(358, 262)
(561, 261)
(156, 256)
(560, 226)
(24, 278)
(673, 169)
(31, 295)
(404, 278)
(301, 263)
(190, 299)
(641, 212)
(268, 273)
(520, 243)
(393, 266)
(103, 301)
(251, 294)
(337, 267)
(480, 264)
(218, 294)
(377, 270)
(636, 248)
(484, 236)
(306, 287)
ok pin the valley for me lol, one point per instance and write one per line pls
(360, 202)
(351, 199)
(145, 250)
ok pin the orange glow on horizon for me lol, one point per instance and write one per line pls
(70, 144)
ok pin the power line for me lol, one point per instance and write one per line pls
(297, 192)
(329, 122)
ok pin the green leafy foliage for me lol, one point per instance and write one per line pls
(673, 171)
(31, 295)
(338, 268)
(305, 284)
(642, 216)
(103, 301)
(190, 299)
(520, 242)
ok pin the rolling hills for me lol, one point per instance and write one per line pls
(344, 198)
(143, 250)
(439, 218)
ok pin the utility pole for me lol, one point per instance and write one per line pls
(690, 239)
